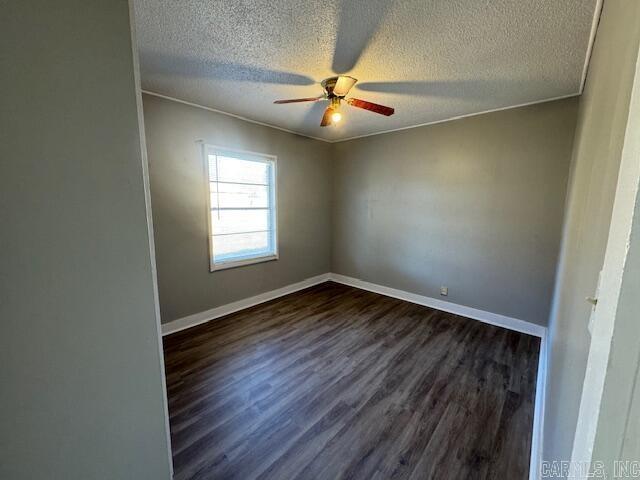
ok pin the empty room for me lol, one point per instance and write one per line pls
(320, 240)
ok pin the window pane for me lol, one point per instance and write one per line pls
(227, 247)
(238, 221)
(213, 171)
(232, 195)
(241, 192)
(238, 170)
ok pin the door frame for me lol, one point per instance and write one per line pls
(612, 364)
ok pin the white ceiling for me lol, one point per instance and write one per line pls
(430, 59)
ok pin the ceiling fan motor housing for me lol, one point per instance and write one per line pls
(328, 84)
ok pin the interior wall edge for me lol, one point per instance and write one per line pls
(356, 137)
(597, 13)
(419, 210)
(462, 117)
(495, 319)
(199, 318)
(178, 194)
(602, 119)
(232, 115)
(152, 248)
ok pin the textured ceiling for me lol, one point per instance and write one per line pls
(430, 59)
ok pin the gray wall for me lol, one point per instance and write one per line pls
(602, 119)
(474, 204)
(81, 391)
(179, 210)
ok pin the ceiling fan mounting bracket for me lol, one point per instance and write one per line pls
(328, 84)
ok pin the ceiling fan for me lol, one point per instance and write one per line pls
(335, 90)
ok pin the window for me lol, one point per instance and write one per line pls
(242, 207)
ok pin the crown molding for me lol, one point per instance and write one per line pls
(597, 13)
(409, 127)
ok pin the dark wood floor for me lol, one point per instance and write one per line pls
(335, 382)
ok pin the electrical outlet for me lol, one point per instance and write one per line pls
(444, 291)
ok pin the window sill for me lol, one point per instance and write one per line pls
(241, 263)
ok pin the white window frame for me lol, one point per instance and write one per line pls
(209, 149)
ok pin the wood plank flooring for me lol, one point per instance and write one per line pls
(335, 382)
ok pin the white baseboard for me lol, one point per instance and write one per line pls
(202, 317)
(490, 318)
(538, 413)
(462, 310)
(469, 312)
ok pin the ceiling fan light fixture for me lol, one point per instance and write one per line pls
(336, 116)
(335, 90)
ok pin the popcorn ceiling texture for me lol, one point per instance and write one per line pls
(430, 59)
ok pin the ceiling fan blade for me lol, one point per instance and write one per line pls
(373, 107)
(297, 100)
(343, 85)
(326, 118)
